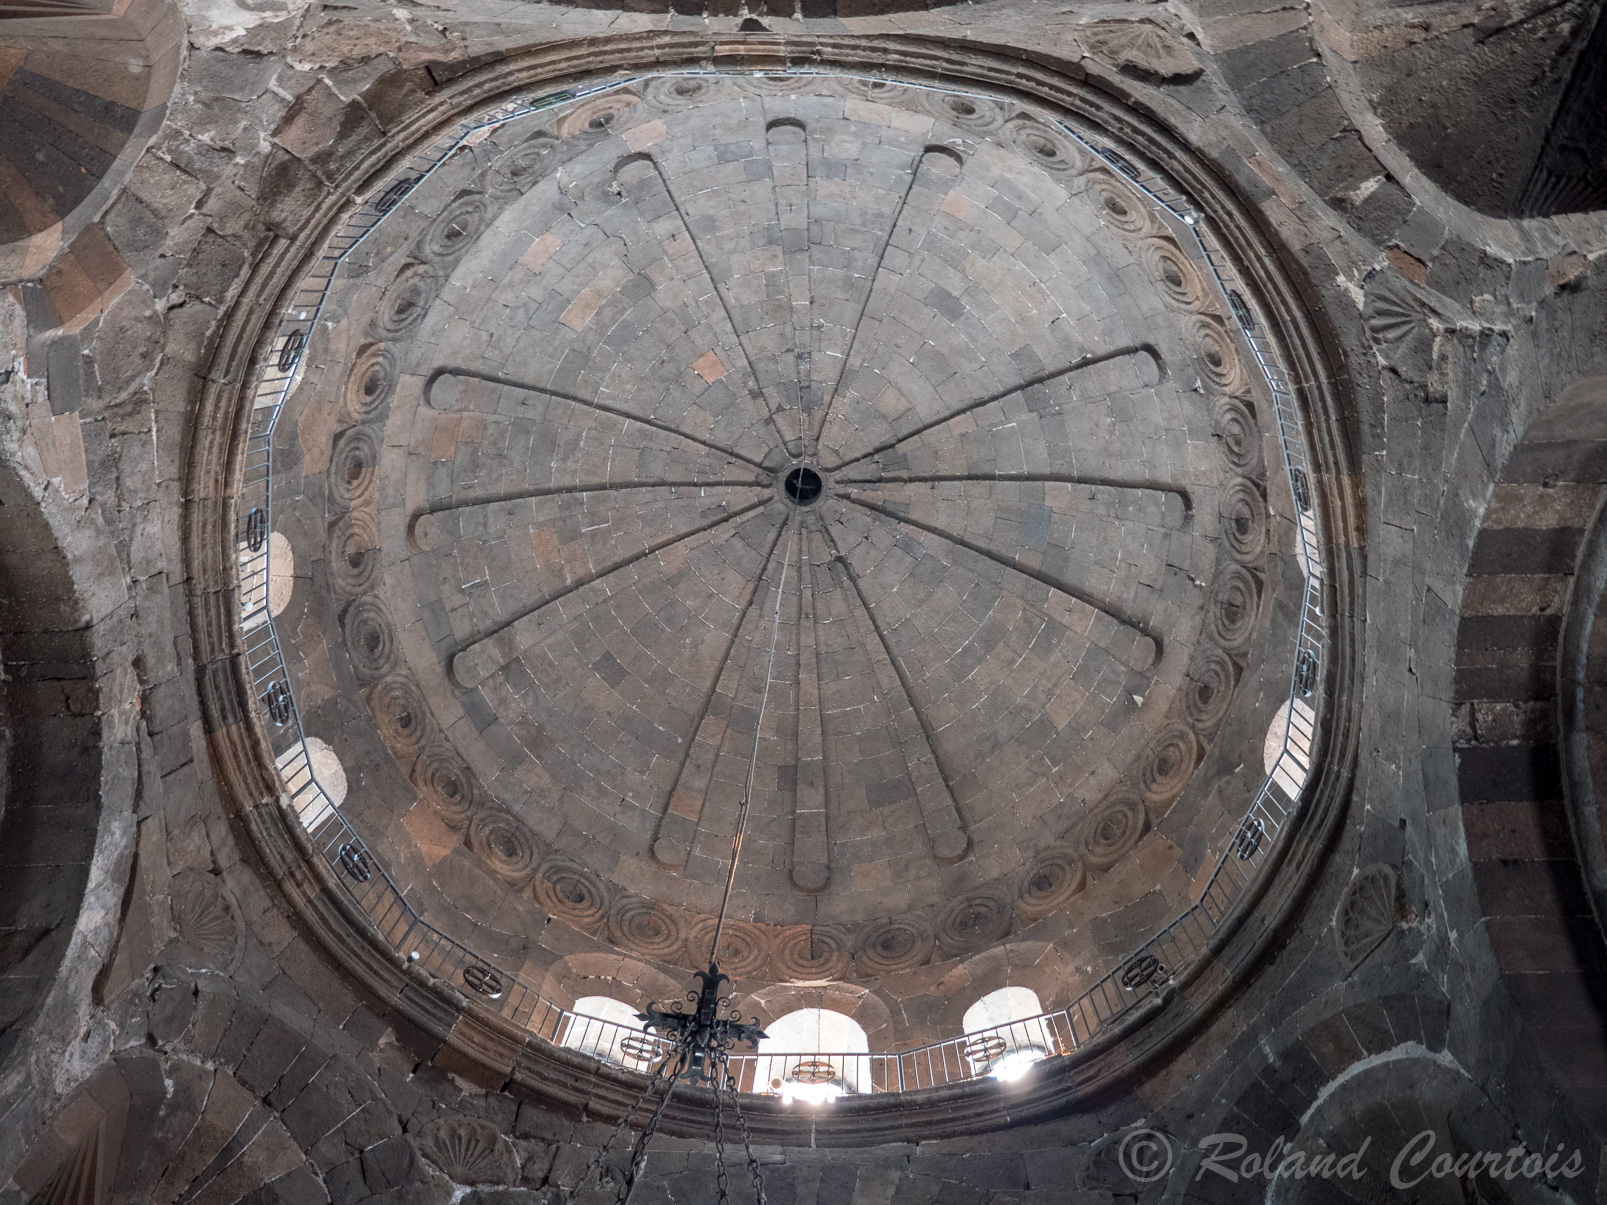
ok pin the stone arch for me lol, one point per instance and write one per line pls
(156, 1127)
(1037, 965)
(809, 1054)
(867, 1009)
(1366, 1080)
(72, 768)
(1506, 123)
(636, 983)
(1272, 1085)
(1001, 1006)
(1534, 845)
(91, 111)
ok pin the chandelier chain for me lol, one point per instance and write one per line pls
(729, 1082)
(753, 758)
(722, 1181)
(649, 1132)
(676, 1056)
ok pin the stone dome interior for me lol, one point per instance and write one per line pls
(1107, 499)
(875, 453)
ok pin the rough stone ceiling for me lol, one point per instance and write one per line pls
(900, 384)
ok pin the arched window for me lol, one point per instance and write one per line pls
(609, 1029)
(1287, 752)
(809, 1055)
(1004, 1033)
(316, 780)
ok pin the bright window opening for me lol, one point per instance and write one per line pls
(609, 1029)
(1287, 752)
(810, 1056)
(1005, 1036)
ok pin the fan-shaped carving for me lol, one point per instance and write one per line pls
(897, 945)
(80, 1180)
(203, 919)
(1368, 912)
(468, 1150)
(1141, 48)
(1389, 313)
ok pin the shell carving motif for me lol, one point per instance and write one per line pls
(468, 1150)
(203, 919)
(1390, 315)
(1368, 913)
(1141, 48)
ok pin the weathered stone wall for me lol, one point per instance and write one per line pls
(216, 1053)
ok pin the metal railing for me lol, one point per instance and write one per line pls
(965, 1057)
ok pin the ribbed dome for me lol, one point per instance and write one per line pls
(874, 452)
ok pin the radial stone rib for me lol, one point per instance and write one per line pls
(1146, 645)
(811, 857)
(788, 145)
(939, 812)
(658, 227)
(600, 407)
(476, 662)
(1177, 506)
(601, 487)
(1042, 379)
(683, 810)
(870, 291)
